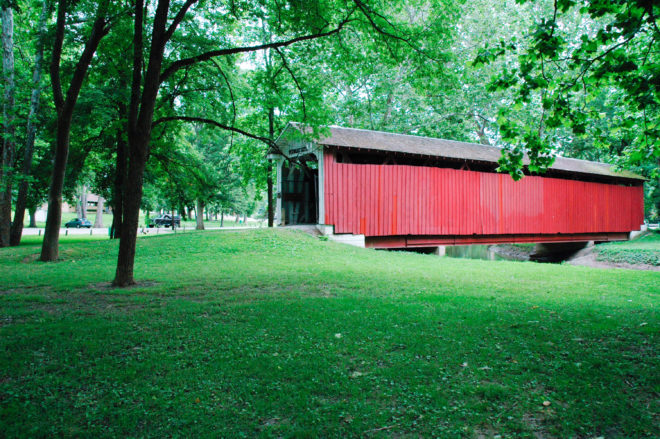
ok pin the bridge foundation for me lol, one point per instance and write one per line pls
(557, 251)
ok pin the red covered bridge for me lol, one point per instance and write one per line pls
(394, 191)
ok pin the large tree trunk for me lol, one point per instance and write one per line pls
(65, 107)
(50, 245)
(199, 214)
(140, 118)
(8, 116)
(132, 199)
(98, 221)
(21, 199)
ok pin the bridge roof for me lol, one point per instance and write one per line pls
(428, 146)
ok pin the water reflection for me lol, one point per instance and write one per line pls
(485, 252)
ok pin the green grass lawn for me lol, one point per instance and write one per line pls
(644, 250)
(267, 333)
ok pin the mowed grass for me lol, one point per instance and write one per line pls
(267, 333)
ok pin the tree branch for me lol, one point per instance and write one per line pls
(265, 140)
(271, 143)
(231, 93)
(99, 30)
(178, 18)
(56, 81)
(137, 64)
(295, 79)
(177, 65)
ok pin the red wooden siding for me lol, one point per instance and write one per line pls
(386, 200)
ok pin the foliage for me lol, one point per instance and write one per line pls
(644, 250)
(340, 342)
(583, 60)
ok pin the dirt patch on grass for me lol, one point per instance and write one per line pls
(106, 286)
(30, 258)
(536, 424)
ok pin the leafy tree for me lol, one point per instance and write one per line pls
(576, 57)
(177, 23)
(65, 103)
(7, 153)
(23, 196)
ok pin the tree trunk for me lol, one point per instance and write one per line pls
(65, 107)
(33, 220)
(50, 245)
(199, 214)
(8, 116)
(269, 182)
(21, 199)
(141, 112)
(79, 206)
(98, 221)
(83, 202)
(127, 243)
(119, 191)
(269, 170)
(222, 218)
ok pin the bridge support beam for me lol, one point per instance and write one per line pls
(427, 241)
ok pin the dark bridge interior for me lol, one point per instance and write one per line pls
(299, 195)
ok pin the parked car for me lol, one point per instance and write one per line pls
(165, 221)
(78, 223)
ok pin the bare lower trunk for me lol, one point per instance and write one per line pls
(199, 214)
(79, 208)
(8, 144)
(50, 245)
(269, 181)
(21, 199)
(269, 170)
(98, 221)
(127, 243)
(222, 218)
(33, 219)
(120, 181)
(83, 202)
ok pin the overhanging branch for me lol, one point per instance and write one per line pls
(178, 65)
(271, 143)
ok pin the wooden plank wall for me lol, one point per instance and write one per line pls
(387, 200)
